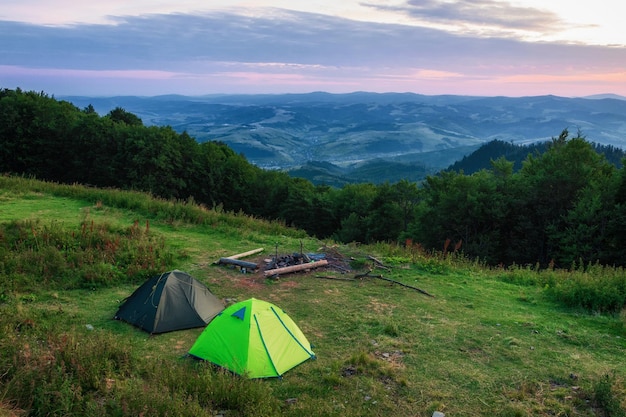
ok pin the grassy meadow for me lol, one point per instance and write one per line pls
(489, 342)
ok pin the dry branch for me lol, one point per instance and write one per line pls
(334, 278)
(367, 275)
(378, 263)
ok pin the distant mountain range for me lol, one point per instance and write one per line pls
(341, 138)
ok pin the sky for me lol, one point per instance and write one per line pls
(197, 47)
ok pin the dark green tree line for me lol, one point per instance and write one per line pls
(561, 207)
(54, 140)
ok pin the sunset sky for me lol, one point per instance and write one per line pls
(197, 47)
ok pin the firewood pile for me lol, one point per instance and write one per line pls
(283, 261)
(327, 260)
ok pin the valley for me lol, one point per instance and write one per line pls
(370, 136)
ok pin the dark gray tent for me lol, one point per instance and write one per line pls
(171, 301)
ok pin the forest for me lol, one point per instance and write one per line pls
(563, 205)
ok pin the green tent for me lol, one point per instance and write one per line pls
(171, 301)
(253, 338)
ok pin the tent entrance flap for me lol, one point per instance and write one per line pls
(269, 355)
(292, 335)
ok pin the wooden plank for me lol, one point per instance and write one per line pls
(244, 254)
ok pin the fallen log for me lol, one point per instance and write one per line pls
(243, 264)
(244, 254)
(294, 268)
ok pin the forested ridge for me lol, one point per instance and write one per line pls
(562, 206)
(480, 159)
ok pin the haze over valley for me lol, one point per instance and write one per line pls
(369, 134)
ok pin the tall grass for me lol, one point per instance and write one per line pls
(593, 288)
(167, 211)
(606, 396)
(35, 254)
(597, 289)
(83, 374)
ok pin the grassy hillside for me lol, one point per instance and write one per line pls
(488, 341)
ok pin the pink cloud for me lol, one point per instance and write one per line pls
(278, 78)
(58, 72)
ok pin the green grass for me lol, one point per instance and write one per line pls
(487, 343)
